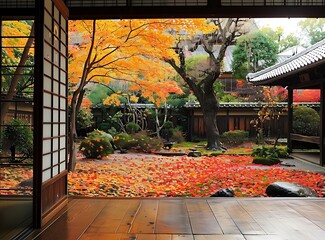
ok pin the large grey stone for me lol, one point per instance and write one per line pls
(224, 192)
(287, 189)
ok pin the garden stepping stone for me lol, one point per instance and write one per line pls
(287, 189)
(194, 154)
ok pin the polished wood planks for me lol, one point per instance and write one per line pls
(190, 219)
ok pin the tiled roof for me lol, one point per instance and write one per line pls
(311, 56)
(251, 104)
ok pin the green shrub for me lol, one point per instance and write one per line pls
(19, 137)
(132, 127)
(177, 135)
(96, 145)
(168, 125)
(123, 141)
(84, 118)
(104, 126)
(270, 152)
(306, 121)
(235, 137)
(143, 143)
(266, 161)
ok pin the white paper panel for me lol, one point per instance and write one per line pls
(56, 61)
(62, 62)
(47, 20)
(47, 100)
(47, 68)
(47, 113)
(47, 51)
(56, 14)
(46, 175)
(62, 116)
(55, 171)
(55, 144)
(56, 40)
(55, 101)
(56, 87)
(62, 90)
(62, 156)
(48, 5)
(47, 36)
(63, 49)
(63, 77)
(55, 158)
(62, 167)
(46, 146)
(55, 115)
(46, 130)
(63, 23)
(63, 103)
(63, 36)
(62, 142)
(47, 163)
(47, 84)
(62, 129)
(55, 130)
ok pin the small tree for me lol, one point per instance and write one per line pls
(253, 52)
(18, 137)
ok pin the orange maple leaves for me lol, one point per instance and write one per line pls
(155, 176)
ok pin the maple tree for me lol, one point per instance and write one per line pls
(118, 50)
(306, 95)
(17, 43)
(224, 34)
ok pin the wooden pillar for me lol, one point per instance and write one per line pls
(322, 127)
(290, 117)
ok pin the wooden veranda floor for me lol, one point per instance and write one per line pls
(189, 219)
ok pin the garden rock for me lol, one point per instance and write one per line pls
(287, 189)
(26, 183)
(194, 154)
(225, 192)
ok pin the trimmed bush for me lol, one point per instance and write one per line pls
(270, 152)
(235, 137)
(143, 143)
(19, 137)
(266, 161)
(123, 141)
(306, 121)
(132, 127)
(96, 145)
(177, 135)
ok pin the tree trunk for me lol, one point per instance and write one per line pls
(211, 128)
(72, 134)
(16, 77)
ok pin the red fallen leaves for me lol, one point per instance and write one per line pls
(155, 176)
(10, 178)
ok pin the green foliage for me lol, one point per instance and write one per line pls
(253, 52)
(123, 141)
(84, 118)
(306, 121)
(177, 135)
(177, 100)
(283, 42)
(235, 137)
(270, 152)
(98, 93)
(19, 135)
(228, 98)
(143, 143)
(313, 28)
(139, 142)
(96, 145)
(132, 127)
(266, 161)
(168, 125)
